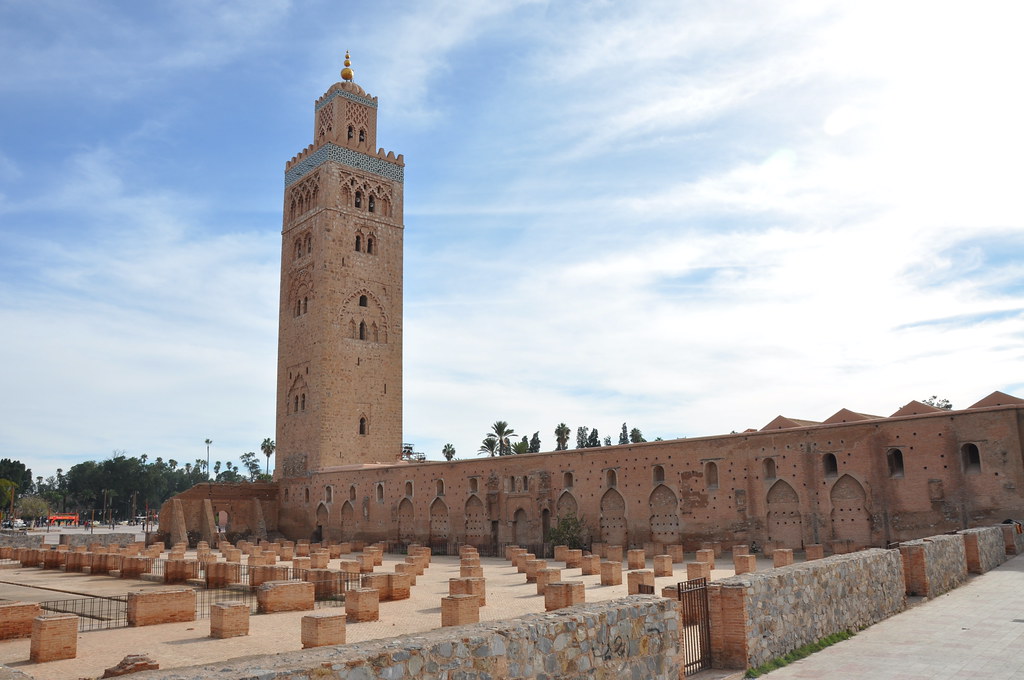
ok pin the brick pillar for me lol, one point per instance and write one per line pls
(229, 619)
(707, 555)
(614, 553)
(740, 550)
(222, 574)
(590, 565)
(285, 596)
(470, 560)
(362, 604)
(634, 579)
(531, 569)
(379, 581)
(416, 563)
(322, 629)
(54, 637)
(410, 571)
(662, 565)
(744, 564)
(676, 551)
(729, 625)
(783, 557)
(16, 619)
(573, 559)
(560, 552)
(399, 586)
(546, 576)
(563, 594)
(345, 548)
(476, 571)
(814, 551)
(302, 549)
(521, 560)
(611, 573)
(698, 570)
(459, 610)
(366, 563)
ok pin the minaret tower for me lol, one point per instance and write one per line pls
(339, 368)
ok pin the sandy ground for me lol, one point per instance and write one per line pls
(184, 644)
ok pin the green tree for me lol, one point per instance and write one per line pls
(15, 471)
(933, 400)
(635, 437)
(268, 447)
(521, 446)
(570, 531)
(8, 490)
(489, 446)
(594, 440)
(31, 507)
(503, 433)
(252, 465)
(562, 434)
(624, 435)
(582, 433)
(448, 451)
(535, 443)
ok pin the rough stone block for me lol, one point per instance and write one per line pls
(322, 629)
(229, 619)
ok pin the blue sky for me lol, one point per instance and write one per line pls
(689, 216)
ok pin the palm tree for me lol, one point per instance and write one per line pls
(489, 446)
(562, 433)
(208, 442)
(268, 447)
(502, 432)
(448, 451)
(520, 447)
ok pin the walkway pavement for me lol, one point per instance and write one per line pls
(975, 632)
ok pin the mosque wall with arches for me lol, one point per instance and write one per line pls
(871, 481)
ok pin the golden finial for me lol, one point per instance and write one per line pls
(346, 73)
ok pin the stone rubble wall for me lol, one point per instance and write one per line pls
(1014, 539)
(986, 548)
(20, 539)
(762, 615)
(635, 637)
(934, 565)
(75, 540)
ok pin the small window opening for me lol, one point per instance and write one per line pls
(473, 485)
(305, 305)
(830, 465)
(362, 426)
(296, 403)
(352, 492)
(895, 457)
(303, 402)
(307, 494)
(298, 307)
(526, 483)
(351, 132)
(359, 243)
(362, 300)
(359, 199)
(329, 494)
(369, 239)
(567, 480)
(362, 330)
(309, 246)
(380, 492)
(362, 135)
(711, 475)
(440, 487)
(769, 468)
(658, 474)
(971, 458)
(370, 203)
(610, 478)
(408, 488)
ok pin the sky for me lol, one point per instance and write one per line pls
(687, 216)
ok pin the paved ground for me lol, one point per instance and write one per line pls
(975, 632)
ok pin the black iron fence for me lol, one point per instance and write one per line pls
(695, 632)
(94, 613)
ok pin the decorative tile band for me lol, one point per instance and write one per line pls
(339, 154)
(328, 98)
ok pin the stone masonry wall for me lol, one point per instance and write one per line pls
(20, 539)
(985, 548)
(762, 615)
(934, 565)
(636, 637)
(75, 540)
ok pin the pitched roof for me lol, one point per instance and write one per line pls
(845, 415)
(997, 398)
(916, 408)
(784, 423)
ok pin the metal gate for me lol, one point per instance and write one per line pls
(695, 625)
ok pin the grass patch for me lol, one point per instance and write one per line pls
(799, 653)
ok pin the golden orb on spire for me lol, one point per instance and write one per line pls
(347, 73)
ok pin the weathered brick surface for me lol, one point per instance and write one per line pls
(590, 565)
(362, 604)
(636, 637)
(16, 619)
(285, 596)
(322, 629)
(698, 570)
(676, 551)
(559, 594)
(573, 558)
(782, 557)
(531, 569)
(814, 551)
(54, 637)
(706, 555)
(1013, 536)
(744, 564)
(636, 559)
(459, 610)
(229, 619)
(399, 586)
(613, 553)
(662, 565)
(546, 576)
(470, 586)
(161, 606)
(611, 572)
(636, 578)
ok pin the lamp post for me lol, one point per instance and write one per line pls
(208, 442)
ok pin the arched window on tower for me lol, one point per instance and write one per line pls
(309, 244)
(329, 494)
(298, 249)
(362, 135)
(371, 204)
(351, 132)
(298, 307)
(895, 459)
(296, 403)
(305, 305)
(369, 239)
(769, 468)
(307, 494)
(303, 402)
(352, 492)
(362, 330)
(380, 492)
(359, 243)
(362, 426)
(362, 300)
(830, 465)
(359, 199)
(711, 475)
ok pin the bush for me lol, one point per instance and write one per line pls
(570, 531)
